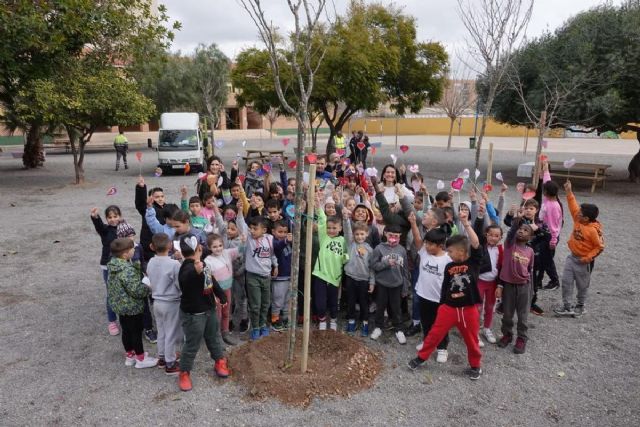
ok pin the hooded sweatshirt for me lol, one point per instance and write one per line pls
(387, 275)
(359, 257)
(125, 291)
(586, 241)
(373, 238)
(551, 214)
(332, 254)
(107, 235)
(259, 256)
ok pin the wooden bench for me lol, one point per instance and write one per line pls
(594, 172)
(263, 156)
(65, 142)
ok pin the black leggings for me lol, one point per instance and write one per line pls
(357, 292)
(132, 333)
(428, 313)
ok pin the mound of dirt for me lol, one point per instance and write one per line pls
(338, 365)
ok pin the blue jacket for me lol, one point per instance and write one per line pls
(282, 249)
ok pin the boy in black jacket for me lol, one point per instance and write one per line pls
(197, 311)
(458, 300)
(141, 207)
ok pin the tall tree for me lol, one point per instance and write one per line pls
(496, 28)
(458, 97)
(303, 57)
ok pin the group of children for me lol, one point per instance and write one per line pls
(221, 261)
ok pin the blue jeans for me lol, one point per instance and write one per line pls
(415, 303)
(110, 314)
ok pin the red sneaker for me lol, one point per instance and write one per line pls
(221, 368)
(520, 346)
(184, 381)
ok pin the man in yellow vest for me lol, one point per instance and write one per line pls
(121, 145)
(340, 143)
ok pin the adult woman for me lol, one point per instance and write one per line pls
(211, 181)
(389, 178)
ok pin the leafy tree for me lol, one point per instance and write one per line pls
(81, 101)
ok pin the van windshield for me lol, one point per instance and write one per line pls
(174, 140)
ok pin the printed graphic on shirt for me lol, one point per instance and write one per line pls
(335, 247)
(394, 259)
(208, 281)
(431, 269)
(460, 280)
(262, 251)
(520, 259)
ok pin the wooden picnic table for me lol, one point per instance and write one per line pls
(262, 155)
(595, 172)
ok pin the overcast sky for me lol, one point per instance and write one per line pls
(227, 24)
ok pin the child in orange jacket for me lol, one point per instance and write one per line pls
(586, 243)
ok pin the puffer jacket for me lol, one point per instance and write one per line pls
(125, 291)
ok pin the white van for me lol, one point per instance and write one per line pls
(180, 142)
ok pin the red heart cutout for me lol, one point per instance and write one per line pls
(404, 148)
(341, 151)
(543, 157)
(373, 150)
(457, 184)
(285, 141)
(292, 164)
(529, 195)
(360, 145)
(343, 181)
(241, 178)
(266, 168)
(312, 157)
(487, 188)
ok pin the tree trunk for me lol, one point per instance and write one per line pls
(77, 150)
(297, 235)
(450, 133)
(33, 155)
(485, 111)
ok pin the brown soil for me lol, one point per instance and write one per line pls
(338, 365)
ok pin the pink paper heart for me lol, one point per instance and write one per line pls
(404, 148)
(529, 195)
(487, 188)
(292, 164)
(285, 141)
(457, 184)
(341, 151)
(139, 156)
(360, 145)
(266, 167)
(312, 157)
(414, 168)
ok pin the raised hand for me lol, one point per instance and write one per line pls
(412, 218)
(140, 181)
(149, 201)
(94, 213)
(567, 186)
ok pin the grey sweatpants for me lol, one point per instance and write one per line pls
(279, 297)
(167, 314)
(578, 273)
(516, 299)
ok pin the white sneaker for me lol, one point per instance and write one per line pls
(419, 346)
(480, 342)
(401, 338)
(322, 326)
(442, 356)
(129, 361)
(333, 324)
(147, 362)
(489, 335)
(376, 333)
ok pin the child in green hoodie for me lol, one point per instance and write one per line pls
(126, 294)
(327, 274)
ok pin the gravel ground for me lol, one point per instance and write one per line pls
(60, 366)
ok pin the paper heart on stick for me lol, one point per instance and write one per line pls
(241, 178)
(457, 184)
(371, 172)
(266, 167)
(112, 191)
(528, 195)
(544, 143)
(440, 184)
(543, 157)
(404, 148)
(487, 188)
(520, 187)
(158, 172)
(292, 164)
(219, 144)
(139, 156)
(285, 141)
(360, 145)
(244, 143)
(260, 172)
(465, 174)
(414, 168)
(291, 211)
(569, 163)
(201, 176)
(373, 150)
(394, 158)
(477, 174)
(312, 157)
(499, 177)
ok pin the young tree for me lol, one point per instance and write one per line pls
(303, 58)
(457, 98)
(83, 100)
(496, 28)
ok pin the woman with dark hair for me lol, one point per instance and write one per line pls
(389, 178)
(210, 182)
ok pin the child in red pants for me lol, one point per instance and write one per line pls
(458, 299)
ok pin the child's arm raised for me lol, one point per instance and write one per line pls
(184, 199)
(417, 240)
(150, 217)
(478, 224)
(473, 237)
(141, 196)
(101, 227)
(346, 225)
(574, 208)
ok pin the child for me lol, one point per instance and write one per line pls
(515, 283)
(257, 206)
(488, 280)
(585, 244)
(197, 311)
(194, 207)
(220, 263)
(458, 300)
(390, 265)
(551, 214)
(359, 278)
(162, 272)
(274, 214)
(261, 265)
(158, 205)
(541, 237)
(362, 213)
(327, 272)
(209, 208)
(126, 295)
(433, 260)
(107, 234)
(253, 182)
(280, 295)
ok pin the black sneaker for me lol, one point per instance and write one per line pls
(413, 330)
(578, 310)
(551, 286)
(244, 326)
(277, 326)
(564, 311)
(151, 336)
(535, 309)
(415, 363)
(474, 373)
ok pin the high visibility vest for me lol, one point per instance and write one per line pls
(340, 142)
(120, 139)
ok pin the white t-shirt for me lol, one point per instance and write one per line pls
(430, 275)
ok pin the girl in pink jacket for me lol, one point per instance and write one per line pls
(551, 214)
